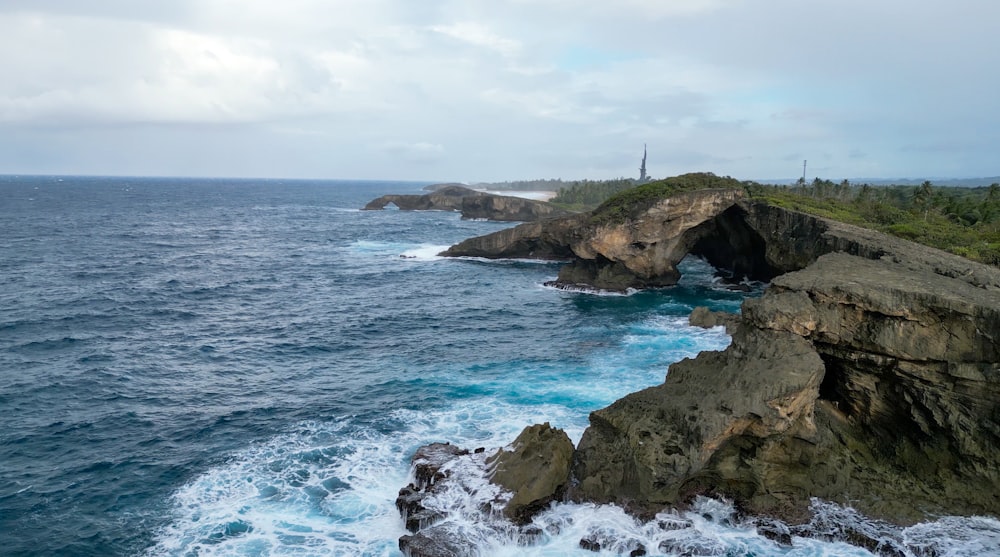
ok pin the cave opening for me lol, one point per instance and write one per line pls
(736, 251)
(831, 389)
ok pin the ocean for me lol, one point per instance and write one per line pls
(200, 367)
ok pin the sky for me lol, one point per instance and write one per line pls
(476, 90)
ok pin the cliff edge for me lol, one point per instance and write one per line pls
(868, 374)
(858, 381)
(471, 203)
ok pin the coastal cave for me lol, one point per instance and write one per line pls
(732, 247)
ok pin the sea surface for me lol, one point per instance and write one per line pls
(199, 367)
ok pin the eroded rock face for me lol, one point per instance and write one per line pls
(472, 204)
(536, 469)
(872, 383)
(666, 444)
(639, 252)
(502, 492)
(741, 237)
(508, 208)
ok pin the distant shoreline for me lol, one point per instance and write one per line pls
(538, 195)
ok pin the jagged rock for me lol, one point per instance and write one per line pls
(701, 316)
(437, 541)
(410, 504)
(775, 530)
(536, 469)
(590, 544)
(448, 198)
(472, 204)
(508, 208)
(689, 436)
(428, 460)
(740, 237)
(868, 374)
(640, 251)
(868, 382)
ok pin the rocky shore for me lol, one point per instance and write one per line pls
(868, 375)
(471, 203)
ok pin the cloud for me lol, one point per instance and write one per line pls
(420, 151)
(478, 34)
(470, 90)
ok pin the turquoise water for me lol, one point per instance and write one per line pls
(241, 367)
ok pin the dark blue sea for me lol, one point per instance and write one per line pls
(196, 367)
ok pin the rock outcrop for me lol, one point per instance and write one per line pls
(471, 203)
(868, 374)
(536, 470)
(507, 489)
(639, 252)
(448, 198)
(742, 238)
(872, 383)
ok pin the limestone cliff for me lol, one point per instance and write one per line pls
(471, 203)
(641, 251)
(867, 374)
(740, 237)
(867, 382)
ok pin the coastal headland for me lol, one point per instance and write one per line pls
(473, 204)
(867, 375)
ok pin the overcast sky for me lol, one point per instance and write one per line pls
(471, 90)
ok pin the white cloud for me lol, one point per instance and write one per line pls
(470, 89)
(478, 34)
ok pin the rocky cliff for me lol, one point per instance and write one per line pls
(471, 203)
(871, 383)
(867, 374)
(741, 237)
(636, 252)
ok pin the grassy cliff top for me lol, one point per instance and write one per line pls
(634, 201)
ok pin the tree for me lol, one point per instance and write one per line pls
(922, 197)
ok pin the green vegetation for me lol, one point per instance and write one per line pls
(963, 221)
(550, 184)
(638, 199)
(583, 195)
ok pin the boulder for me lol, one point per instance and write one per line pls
(437, 541)
(535, 467)
(427, 463)
(703, 317)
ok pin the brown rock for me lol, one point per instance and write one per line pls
(867, 382)
(701, 316)
(472, 204)
(536, 469)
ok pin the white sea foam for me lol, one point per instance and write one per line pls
(329, 488)
(591, 291)
(508, 260)
(955, 537)
(424, 252)
(398, 250)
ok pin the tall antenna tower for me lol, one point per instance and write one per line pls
(642, 169)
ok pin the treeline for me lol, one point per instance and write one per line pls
(961, 220)
(587, 194)
(552, 184)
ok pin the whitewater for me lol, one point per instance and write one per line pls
(244, 367)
